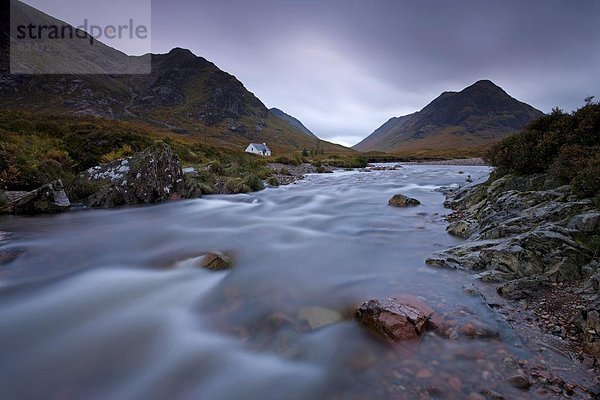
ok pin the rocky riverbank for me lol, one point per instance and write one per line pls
(538, 246)
(466, 162)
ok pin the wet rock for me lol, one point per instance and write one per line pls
(393, 319)
(587, 222)
(462, 228)
(523, 288)
(217, 261)
(492, 395)
(592, 285)
(468, 329)
(47, 199)
(591, 336)
(150, 176)
(519, 381)
(400, 200)
(324, 169)
(472, 290)
(424, 373)
(318, 317)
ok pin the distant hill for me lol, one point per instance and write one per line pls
(184, 94)
(480, 114)
(292, 121)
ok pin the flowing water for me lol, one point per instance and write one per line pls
(110, 304)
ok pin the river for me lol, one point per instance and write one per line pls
(108, 304)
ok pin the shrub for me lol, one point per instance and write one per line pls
(289, 159)
(60, 156)
(264, 173)
(125, 151)
(253, 182)
(272, 181)
(79, 188)
(200, 183)
(196, 186)
(234, 186)
(216, 168)
(284, 171)
(565, 145)
(46, 172)
(586, 182)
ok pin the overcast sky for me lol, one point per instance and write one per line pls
(344, 67)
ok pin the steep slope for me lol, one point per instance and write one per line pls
(292, 121)
(480, 114)
(183, 93)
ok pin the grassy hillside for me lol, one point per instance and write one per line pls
(184, 94)
(38, 148)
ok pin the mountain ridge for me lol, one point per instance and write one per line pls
(480, 114)
(185, 94)
(292, 121)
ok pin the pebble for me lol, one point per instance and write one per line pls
(424, 373)
(519, 381)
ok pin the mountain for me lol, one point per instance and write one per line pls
(478, 115)
(292, 121)
(184, 94)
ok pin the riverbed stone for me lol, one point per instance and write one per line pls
(523, 287)
(393, 319)
(47, 199)
(217, 261)
(400, 200)
(519, 381)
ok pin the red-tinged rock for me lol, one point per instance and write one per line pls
(520, 382)
(468, 330)
(424, 373)
(455, 384)
(393, 319)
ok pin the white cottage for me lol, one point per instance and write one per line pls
(260, 149)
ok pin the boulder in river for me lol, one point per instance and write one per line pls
(149, 176)
(217, 261)
(49, 198)
(400, 200)
(394, 319)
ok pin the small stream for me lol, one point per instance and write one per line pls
(109, 304)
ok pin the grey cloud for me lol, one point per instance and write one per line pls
(343, 67)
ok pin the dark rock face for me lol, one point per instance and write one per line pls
(395, 320)
(150, 176)
(520, 227)
(50, 198)
(400, 200)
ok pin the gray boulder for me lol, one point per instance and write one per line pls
(587, 222)
(400, 200)
(150, 176)
(47, 199)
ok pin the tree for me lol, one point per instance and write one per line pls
(588, 100)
